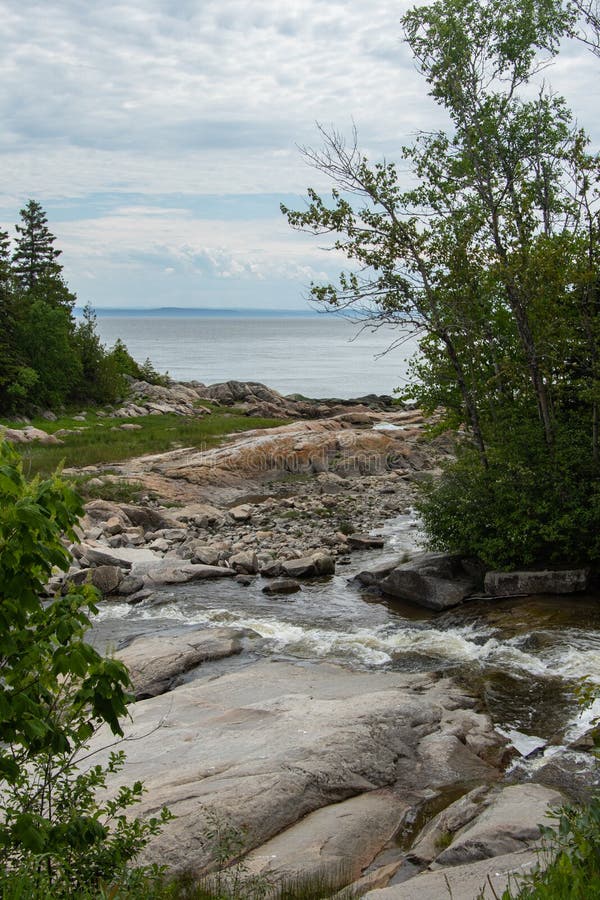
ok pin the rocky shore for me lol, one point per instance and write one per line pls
(390, 781)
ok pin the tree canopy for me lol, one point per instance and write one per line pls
(491, 256)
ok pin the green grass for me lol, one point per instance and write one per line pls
(98, 444)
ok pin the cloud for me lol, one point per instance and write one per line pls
(125, 119)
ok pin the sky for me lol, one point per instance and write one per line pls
(161, 136)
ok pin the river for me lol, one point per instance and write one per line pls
(525, 659)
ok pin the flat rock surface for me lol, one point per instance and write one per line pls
(155, 661)
(267, 744)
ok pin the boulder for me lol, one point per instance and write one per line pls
(150, 519)
(282, 586)
(319, 564)
(207, 556)
(169, 571)
(245, 562)
(546, 581)
(433, 580)
(155, 662)
(107, 578)
(241, 513)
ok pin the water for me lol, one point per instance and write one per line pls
(523, 658)
(321, 356)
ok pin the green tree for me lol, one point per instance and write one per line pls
(492, 257)
(35, 256)
(55, 690)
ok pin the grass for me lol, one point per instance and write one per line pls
(97, 444)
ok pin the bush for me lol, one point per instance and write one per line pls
(55, 690)
(526, 508)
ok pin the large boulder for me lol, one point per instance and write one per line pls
(172, 571)
(318, 564)
(433, 580)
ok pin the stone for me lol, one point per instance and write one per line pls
(150, 519)
(208, 556)
(484, 880)
(130, 585)
(155, 662)
(365, 542)
(169, 571)
(245, 563)
(241, 513)
(319, 564)
(130, 426)
(107, 578)
(267, 744)
(547, 581)
(435, 581)
(576, 774)
(114, 525)
(271, 569)
(333, 844)
(282, 586)
(509, 822)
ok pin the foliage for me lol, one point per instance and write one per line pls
(492, 259)
(570, 858)
(55, 690)
(48, 359)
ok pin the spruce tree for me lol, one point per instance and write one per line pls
(35, 257)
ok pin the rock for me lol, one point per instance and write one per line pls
(114, 525)
(333, 844)
(241, 513)
(107, 578)
(435, 581)
(271, 569)
(376, 574)
(27, 435)
(150, 519)
(130, 585)
(365, 542)
(282, 586)
(245, 563)
(97, 556)
(265, 745)
(170, 572)
(510, 822)
(547, 581)
(484, 880)
(246, 580)
(208, 556)
(446, 823)
(130, 426)
(319, 564)
(574, 773)
(156, 661)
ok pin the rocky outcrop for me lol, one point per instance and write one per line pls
(268, 744)
(27, 435)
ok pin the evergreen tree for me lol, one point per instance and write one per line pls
(35, 257)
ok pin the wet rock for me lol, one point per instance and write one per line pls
(282, 586)
(435, 581)
(446, 823)
(576, 774)
(319, 564)
(130, 585)
(365, 542)
(546, 581)
(107, 578)
(155, 662)
(272, 568)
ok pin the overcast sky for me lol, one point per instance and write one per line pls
(161, 135)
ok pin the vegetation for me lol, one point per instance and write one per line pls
(570, 859)
(46, 357)
(492, 259)
(57, 834)
(99, 441)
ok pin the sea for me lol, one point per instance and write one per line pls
(314, 355)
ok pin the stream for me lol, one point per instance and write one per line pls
(523, 658)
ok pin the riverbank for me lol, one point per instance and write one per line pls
(318, 718)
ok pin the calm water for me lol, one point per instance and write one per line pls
(317, 357)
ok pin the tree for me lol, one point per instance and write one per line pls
(35, 257)
(493, 256)
(55, 690)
